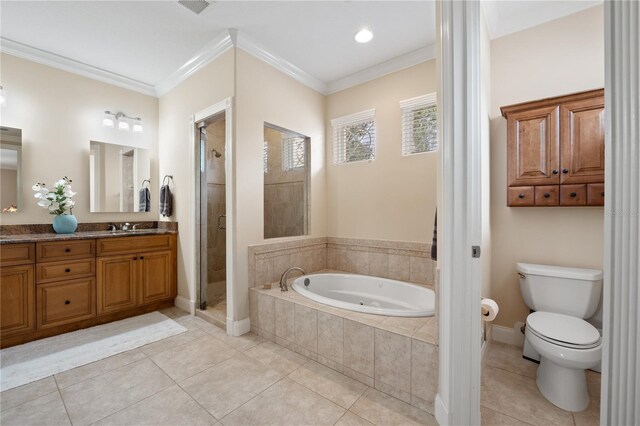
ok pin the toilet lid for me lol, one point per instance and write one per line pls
(563, 328)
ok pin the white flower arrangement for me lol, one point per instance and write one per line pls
(57, 201)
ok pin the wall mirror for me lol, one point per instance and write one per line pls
(119, 178)
(286, 159)
(10, 169)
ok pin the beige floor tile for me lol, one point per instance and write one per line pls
(241, 343)
(494, 418)
(286, 403)
(101, 396)
(160, 346)
(334, 386)
(383, 410)
(46, 410)
(519, 396)
(224, 387)
(350, 419)
(276, 357)
(175, 313)
(25, 393)
(428, 333)
(172, 406)
(359, 347)
(78, 374)
(509, 357)
(590, 416)
(194, 357)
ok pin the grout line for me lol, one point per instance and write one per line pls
(197, 402)
(507, 415)
(61, 398)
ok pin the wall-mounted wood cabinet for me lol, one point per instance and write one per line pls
(555, 151)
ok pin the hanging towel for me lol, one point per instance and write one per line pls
(434, 243)
(165, 201)
(144, 197)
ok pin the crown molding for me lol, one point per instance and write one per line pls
(204, 56)
(248, 45)
(392, 65)
(33, 54)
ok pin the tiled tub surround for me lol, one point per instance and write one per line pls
(398, 260)
(398, 356)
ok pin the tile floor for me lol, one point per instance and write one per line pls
(510, 396)
(204, 377)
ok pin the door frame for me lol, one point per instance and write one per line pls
(225, 106)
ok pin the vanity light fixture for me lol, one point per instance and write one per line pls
(363, 36)
(111, 118)
(3, 100)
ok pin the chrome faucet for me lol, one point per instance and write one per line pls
(125, 226)
(285, 274)
(135, 226)
(112, 227)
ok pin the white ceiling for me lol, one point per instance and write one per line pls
(147, 41)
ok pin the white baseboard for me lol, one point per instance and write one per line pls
(238, 328)
(442, 413)
(510, 336)
(185, 304)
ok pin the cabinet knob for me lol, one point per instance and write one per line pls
(547, 195)
(520, 195)
(565, 171)
(68, 270)
(141, 257)
(67, 302)
(555, 171)
(135, 258)
(573, 194)
(67, 250)
(602, 193)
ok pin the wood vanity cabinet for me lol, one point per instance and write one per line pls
(49, 288)
(555, 151)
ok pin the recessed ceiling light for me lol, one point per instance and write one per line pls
(363, 36)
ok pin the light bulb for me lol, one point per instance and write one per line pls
(107, 121)
(137, 126)
(3, 100)
(363, 36)
(123, 124)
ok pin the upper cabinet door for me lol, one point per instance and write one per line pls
(533, 147)
(582, 141)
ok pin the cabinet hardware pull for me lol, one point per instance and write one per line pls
(520, 195)
(602, 193)
(135, 258)
(141, 257)
(555, 171)
(573, 194)
(67, 250)
(565, 171)
(67, 302)
(547, 195)
(67, 270)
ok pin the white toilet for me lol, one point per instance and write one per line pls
(567, 345)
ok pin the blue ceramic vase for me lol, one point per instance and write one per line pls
(65, 224)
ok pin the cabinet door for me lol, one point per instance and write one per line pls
(17, 300)
(156, 277)
(117, 278)
(582, 141)
(533, 147)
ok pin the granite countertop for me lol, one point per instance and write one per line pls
(40, 237)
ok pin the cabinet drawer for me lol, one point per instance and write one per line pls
(124, 245)
(17, 254)
(65, 270)
(573, 195)
(520, 196)
(595, 194)
(548, 195)
(65, 250)
(66, 302)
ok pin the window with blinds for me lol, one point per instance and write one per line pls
(265, 157)
(354, 137)
(419, 125)
(293, 152)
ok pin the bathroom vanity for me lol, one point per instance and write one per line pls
(52, 284)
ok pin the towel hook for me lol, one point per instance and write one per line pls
(164, 180)
(146, 181)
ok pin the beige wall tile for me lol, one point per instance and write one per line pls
(267, 313)
(306, 328)
(381, 409)
(424, 373)
(359, 347)
(285, 320)
(330, 337)
(358, 262)
(379, 264)
(399, 267)
(393, 360)
(420, 270)
(253, 309)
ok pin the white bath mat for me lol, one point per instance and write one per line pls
(33, 361)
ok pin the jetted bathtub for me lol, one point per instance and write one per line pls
(366, 294)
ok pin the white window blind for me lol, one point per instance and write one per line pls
(419, 124)
(354, 137)
(265, 157)
(293, 152)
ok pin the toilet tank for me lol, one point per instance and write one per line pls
(569, 291)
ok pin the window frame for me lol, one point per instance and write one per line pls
(340, 123)
(410, 106)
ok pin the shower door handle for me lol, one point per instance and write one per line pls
(220, 226)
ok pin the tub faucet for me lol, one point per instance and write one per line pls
(285, 274)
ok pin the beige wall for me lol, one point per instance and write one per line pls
(393, 197)
(264, 94)
(485, 155)
(59, 114)
(207, 87)
(556, 58)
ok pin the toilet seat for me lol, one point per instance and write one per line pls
(563, 330)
